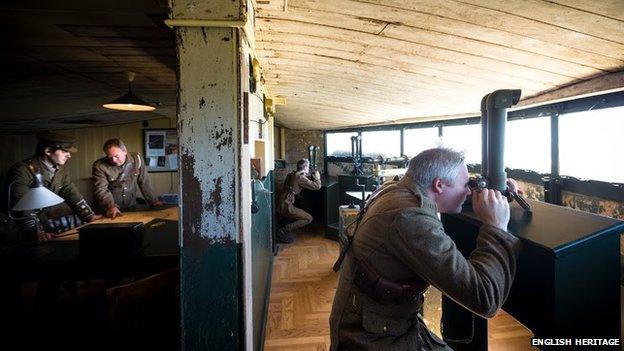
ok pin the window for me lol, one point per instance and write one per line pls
(465, 138)
(339, 144)
(385, 143)
(527, 144)
(419, 139)
(591, 143)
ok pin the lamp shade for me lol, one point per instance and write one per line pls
(129, 102)
(36, 198)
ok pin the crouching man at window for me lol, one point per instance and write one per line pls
(294, 183)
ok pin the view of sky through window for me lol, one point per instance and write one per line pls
(385, 143)
(591, 144)
(527, 144)
(339, 144)
(420, 139)
(464, 138)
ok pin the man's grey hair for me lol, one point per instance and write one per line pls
(435, 163)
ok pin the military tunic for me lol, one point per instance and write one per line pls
(119, 185)
(293, 185)
(55, 178)
(402, 237)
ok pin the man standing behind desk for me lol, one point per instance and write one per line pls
(53, 151)
(117, 178)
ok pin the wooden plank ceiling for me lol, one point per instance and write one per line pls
(358, 62)
(336, 63)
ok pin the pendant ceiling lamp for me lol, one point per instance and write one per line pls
(129, 102)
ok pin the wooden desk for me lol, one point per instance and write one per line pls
(61, 259)
(170, 213)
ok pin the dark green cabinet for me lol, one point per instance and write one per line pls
(323, 205)
(567, 280)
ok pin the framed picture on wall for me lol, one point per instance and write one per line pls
(160, 147)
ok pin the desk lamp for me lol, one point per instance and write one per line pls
(36, 198)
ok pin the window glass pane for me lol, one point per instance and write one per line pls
(527, 144)
(464, 138)
(416, 140)
(339, 144)
(385, 143)
(591, 143)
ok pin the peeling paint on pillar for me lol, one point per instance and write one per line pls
(223, 138)
(207, 131)
(215, 198)
(209, 168)
(192, 186)
(220, 10)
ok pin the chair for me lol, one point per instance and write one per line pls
(146, 313)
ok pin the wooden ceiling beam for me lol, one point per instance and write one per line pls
(359, 12)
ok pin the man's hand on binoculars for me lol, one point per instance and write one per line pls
(491, 207)
(514, 187)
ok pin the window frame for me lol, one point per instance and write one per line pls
(606, 190)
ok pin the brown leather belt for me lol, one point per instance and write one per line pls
(382, 290)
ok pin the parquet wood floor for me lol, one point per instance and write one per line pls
(303, 288)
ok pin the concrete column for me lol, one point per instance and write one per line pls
(214, 174)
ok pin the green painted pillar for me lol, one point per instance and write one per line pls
(214, 173)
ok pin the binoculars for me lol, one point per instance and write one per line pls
(477, 182)
(480, 182)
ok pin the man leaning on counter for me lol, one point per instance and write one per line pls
(117, 179)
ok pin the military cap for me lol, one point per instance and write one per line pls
(57, 141)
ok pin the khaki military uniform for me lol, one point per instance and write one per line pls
(293, 185)
(56, 179)
(119, 185)
(402, 237)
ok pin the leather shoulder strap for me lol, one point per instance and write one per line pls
(32, 167)
(139, 162)
(126, 170)
(348, 245)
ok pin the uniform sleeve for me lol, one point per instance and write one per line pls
(101, 193)
(144, 182)
(69, 192)
(306, 183)
(480, 283)
(19, 179)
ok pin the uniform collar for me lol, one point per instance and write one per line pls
(48, 166)
(427, 202)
